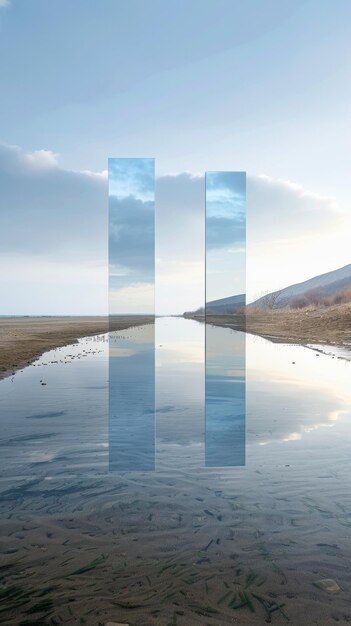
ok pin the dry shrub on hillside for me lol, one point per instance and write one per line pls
(315, 297)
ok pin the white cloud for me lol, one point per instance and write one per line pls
(39, 158)
(286, 224)
(119, 270)
(53, 233)
(4, 3)
(49, 210)
(103, 174)
(279, 209)
(292, 234)
(53, 237)
(180, 242)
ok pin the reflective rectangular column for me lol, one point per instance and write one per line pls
(225, 318)
(132, 311)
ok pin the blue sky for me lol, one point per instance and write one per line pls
(199, 85)
(170, 79)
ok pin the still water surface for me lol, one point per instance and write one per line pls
(123, 521)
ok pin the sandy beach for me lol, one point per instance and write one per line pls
(23, 339)
(179, 548)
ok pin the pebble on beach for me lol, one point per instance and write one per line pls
(327, 584)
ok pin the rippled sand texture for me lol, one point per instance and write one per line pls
(156, 549)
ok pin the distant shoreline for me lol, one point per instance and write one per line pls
(329, 326)
(25, 339)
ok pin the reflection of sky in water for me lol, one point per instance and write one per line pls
(296, 413)
(180, 397)
(294, 395)
(179, 437)
(132, 399)
(225, 397)
(179, 392)
(59, 428)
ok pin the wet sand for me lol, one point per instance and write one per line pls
(178, 549)
(24, 339)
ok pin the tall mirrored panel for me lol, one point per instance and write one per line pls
(131, 314)
(224, 317)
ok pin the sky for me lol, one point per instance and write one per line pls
(197, 85)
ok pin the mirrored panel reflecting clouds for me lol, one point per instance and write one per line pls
(131, 236)
(225, 298)
(131, 307)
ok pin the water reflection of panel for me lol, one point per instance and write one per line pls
(225, 397)
(225, 301)
(132, 399)
(131, 294)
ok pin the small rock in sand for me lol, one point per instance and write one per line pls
(327, 584)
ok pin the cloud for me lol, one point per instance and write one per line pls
(179, 219)
(282, 210)
(49, 210)
(224, 232)
(4, 3)
(284, 223)
(53, 236)
(225, 210)
(132, 177)
(180, 242)
(131, 235)
(292, 234)
(131, 240)
(54, 232)
(275, 210)
(39, 158)
(225, 190)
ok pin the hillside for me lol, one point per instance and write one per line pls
(324, 325)
(317, 310)
(224, 306)
(313, 290)
(329, 325)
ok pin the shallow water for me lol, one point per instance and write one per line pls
(174, 542)
(225, 397)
